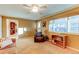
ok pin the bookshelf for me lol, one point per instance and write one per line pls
(59, 40)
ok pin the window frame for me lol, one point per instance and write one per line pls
(67, 26)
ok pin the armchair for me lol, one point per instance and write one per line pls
(38, 37)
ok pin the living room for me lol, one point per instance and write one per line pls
(42, 30)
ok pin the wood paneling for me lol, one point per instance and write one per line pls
(29, 24)
(4, 26)
(73, 40)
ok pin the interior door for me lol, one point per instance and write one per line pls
(12, 26)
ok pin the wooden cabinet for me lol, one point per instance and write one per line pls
(59, 40)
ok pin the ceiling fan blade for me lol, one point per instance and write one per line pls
(44, 7)
(26, 5)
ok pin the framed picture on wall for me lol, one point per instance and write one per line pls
(12, 28)
(44, 24)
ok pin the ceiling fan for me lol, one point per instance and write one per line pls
(35, 8)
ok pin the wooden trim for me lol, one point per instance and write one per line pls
(73, 48)
(60, 14)
(16, 18)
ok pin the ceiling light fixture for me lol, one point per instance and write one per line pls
(35, 7)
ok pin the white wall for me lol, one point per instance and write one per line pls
(0, 26)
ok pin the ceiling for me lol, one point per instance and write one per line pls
(17, 10)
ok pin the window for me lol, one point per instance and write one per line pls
(58, 25)
(25, 29)
(39, 26)
(73, 24)
(68, 25)
(21, 30)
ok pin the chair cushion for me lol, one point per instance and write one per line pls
(38, 34)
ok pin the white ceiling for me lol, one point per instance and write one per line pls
(19, 11)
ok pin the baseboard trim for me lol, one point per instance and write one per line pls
(73, 48)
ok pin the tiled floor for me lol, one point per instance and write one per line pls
(27, 46)
(8, 51)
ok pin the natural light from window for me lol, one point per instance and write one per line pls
(21, 31)
(65, 25)
(39, 26)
